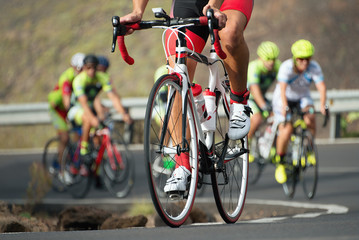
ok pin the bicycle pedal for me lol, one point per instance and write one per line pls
(176, 195)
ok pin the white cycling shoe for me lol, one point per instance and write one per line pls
(239, 122)
(65, 178)
(178, 180)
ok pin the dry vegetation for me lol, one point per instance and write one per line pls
(38, 37)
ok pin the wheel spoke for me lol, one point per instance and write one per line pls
(160, 157)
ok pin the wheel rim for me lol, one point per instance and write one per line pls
(230, 194)
(309, 166)
(160, 162)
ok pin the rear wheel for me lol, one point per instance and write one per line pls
(118, 172)
(309, 166)
(229, 182)
(51, 163)
(163, 142)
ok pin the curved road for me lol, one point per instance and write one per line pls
(337, 195)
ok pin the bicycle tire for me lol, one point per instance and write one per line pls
(119, 179)
(309, 166)
(229, 184)
(292, 171)
(256, 166)
(51, 163)
(79, 184)
(173, 212)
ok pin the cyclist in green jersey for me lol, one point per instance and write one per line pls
(262, 72)
(103, 66)
(59, 100)
(87, 85)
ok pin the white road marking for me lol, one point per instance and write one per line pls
(329, 209)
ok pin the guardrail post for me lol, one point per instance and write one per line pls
(335, 125)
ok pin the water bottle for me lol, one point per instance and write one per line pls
(210, 100)
(267, 133)
(199, 102)
(261, 146)
(295, 149)
(265, 142)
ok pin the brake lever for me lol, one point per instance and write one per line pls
(326, 118)
(115, 22)
(211, 23)
(118, 30)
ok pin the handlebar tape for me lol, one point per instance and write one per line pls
(217, 45)
(122, 47)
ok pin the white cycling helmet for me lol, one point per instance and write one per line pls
(77, 60)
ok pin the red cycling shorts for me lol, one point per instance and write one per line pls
(199, 35)
(244, 6)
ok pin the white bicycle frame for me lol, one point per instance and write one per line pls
(214, 82)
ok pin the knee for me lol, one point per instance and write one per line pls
(64, 137)
(86, 121)
(310, 121)
(232, 37)
(256, 119)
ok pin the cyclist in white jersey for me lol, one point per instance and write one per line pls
(294, 79)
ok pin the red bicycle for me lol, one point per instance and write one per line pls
(112, 161)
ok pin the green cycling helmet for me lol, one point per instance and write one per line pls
(268, 50)
(302, 49)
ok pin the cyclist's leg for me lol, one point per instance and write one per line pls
(233, 42)
(76, 114)
(236, 48)
(256, 119)
(284, 132)
(198, 36)
(283, 137)
(59, 121)
(99, 108)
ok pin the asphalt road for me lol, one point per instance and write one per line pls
(337, 195)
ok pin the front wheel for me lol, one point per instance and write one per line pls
(309, 166)
(51, 163)
(163, 143)
(229, 182)
(76, 175)
(118, 170)
(291, 169)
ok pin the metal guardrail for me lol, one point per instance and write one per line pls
(339, 101)
(38, 113)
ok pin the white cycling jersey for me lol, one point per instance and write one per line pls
(298, 88)
(298, 84)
